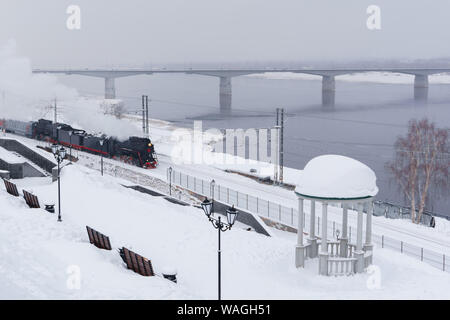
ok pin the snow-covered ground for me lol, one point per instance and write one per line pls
(436, 239)
(39, 254)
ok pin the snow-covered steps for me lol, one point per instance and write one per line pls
(157, 194)
(34, 164)
(17, 166)
(244, 217)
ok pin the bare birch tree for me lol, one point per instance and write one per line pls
(421, 163)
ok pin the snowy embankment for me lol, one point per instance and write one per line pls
(162, 133)
(37, 251)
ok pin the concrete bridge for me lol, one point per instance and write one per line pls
(225, 76)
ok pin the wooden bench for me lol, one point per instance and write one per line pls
(98, 239)
(11, 188)
(31, 200)
(136, 262)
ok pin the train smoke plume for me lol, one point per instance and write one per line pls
(28, 97)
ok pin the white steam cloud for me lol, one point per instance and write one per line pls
(28, 97)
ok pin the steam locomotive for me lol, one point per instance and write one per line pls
(135, 150)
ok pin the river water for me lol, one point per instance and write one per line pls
(364, 123)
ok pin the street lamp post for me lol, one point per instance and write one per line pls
(212, 186)
(102, 141)
(60, 153)
(170, 180)
(217, 223)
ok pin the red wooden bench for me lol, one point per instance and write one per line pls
(11, 188)
(98, 239)
(136, 262)
(31, 200)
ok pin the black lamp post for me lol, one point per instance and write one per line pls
(60, 153)
(102, 141)
(170, 180)
(217, 223)
(212, 185)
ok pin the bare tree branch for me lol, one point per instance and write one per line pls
(421, 163)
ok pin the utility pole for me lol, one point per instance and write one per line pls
(145, 124)
(146, 117)
(56, 112)
(143, 114)
(276, 139)
(278, 117)
(281, 144)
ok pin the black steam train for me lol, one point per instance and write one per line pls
(136, 150)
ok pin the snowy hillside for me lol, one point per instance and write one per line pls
(37, 251)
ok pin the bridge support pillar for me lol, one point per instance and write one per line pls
(328, 91)
(110, 88)
(421, 87)
(225, 94)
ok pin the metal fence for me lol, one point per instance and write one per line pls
(111, 168)
(262, 207)
(394, 211)
(289, 216)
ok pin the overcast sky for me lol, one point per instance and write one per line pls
(137, 32)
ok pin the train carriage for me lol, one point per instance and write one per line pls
(68, 136)
(134, 150)
(23, 128)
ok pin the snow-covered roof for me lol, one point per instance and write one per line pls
(335, 177)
